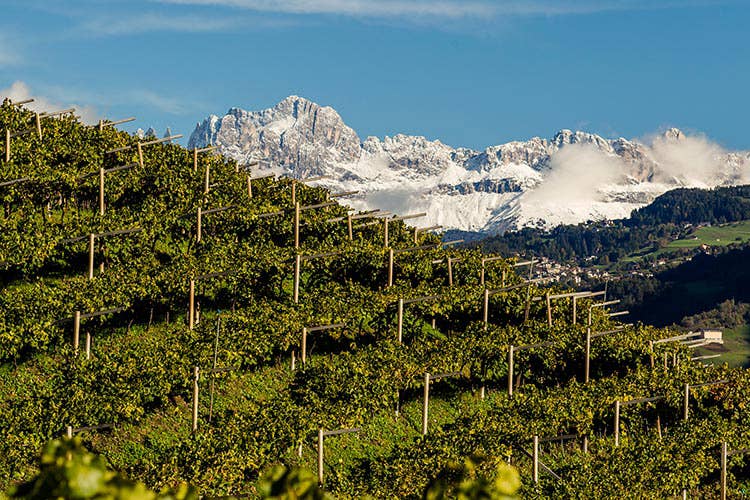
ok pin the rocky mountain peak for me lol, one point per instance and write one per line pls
(503, 186)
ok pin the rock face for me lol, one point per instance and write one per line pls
(573, 177)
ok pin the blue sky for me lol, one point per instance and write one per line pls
(470, 73)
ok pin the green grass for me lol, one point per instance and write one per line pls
(726, 234)
(723, 235)
(735, 351)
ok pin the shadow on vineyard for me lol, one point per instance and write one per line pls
(188, 323)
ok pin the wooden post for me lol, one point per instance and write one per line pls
(101, 191)
(416, 232)
(617, 423)
(297, 265)
(249, 187)
(588, 354)
(390, 267)
(549, 311)
(191, 306)
(535, 456)
(510, 371)
(304, 345)
(575, 318)
(450, 271)
(296, 224)
(486, 316)
(199, 225)
(7, 145)
(88, 345)
(585, 444)
(39, 126)
(651, 352)
(69, 432)
(294, 192)
(349, 226)
(91, 255)
(503, 279)
(481, 276)
(195, 159)
(76, 330)
(196, 375)
(425, 403)
(400, 318)
(320, 456)
(686, 405)
(140, 155)
(724, 470)
(482, 391)
(385, 232)
(207, 180)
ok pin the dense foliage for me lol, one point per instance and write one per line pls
(131, 400)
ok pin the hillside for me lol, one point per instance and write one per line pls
(570, 178)
(195, 325)
(668, 224)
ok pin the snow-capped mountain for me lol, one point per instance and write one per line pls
(573, 177)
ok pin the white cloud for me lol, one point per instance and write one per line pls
(20, 91)
(163, 103)
(9, 53)
(577, 173)
(150, 22)
(449, 9)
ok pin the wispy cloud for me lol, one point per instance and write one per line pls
(163, 103)
(449, 9)
(154, 22)
(20, 91)
(10, 54)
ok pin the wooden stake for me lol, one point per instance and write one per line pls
(304, 345)
(76, 330)
(588, 354)
(575, 318)
(38, 126)
(91, 256)
(88, 345)
(191, 306)
(617, 423)
(297, 265)
(385, 232)
(249, 187)
(195, 159)
(199, 225)
(7, 145)
(294, 192)
(320, 456)
(686, 405)
(724, 470)
(140, 155)
(101, 191)
(486, 314)
(535, 457)
(510, 371)
(296, 224)
(481, 276)
(349, 226)
(294, 361)
(450, 271)
(585, 444)
(651, 352)
(390, 267)
(206, 183)
(69, 432)
(400, 318)
(549, 311)
(425, 403)
(196, 375)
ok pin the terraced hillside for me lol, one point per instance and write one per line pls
(195, 325)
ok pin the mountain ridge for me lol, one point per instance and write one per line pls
(573, 177)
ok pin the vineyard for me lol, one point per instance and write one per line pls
(195, 324)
